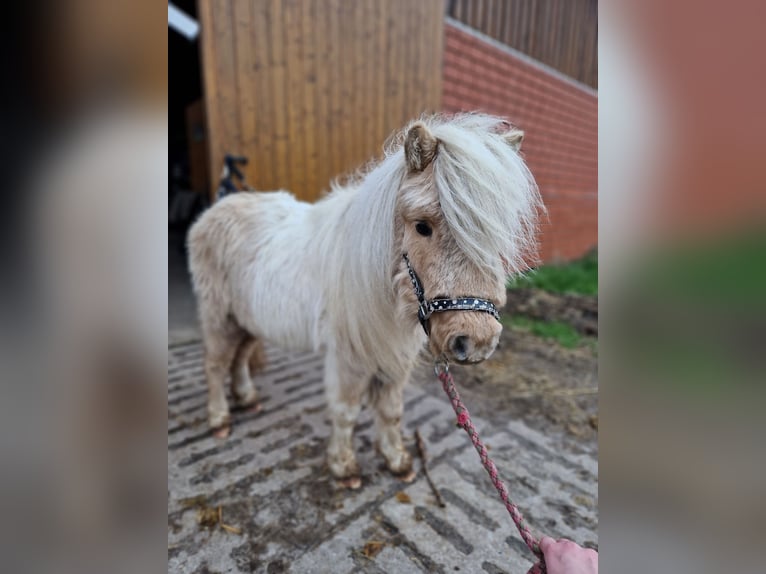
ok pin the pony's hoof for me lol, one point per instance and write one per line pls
(254, 408)
(407, 476)
(344, 467)
(220, 424)
(400, 463)
(250, 408)
(246, 402)
(351, 483)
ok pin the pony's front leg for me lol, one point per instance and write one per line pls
(388, 403)
(344, 388)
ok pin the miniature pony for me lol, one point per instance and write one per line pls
(452, 201)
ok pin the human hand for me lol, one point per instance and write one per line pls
(566, 557)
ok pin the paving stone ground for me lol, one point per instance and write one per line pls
(286, 514)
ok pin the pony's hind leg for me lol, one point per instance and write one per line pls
(221, 344)
(388, 403)
(257, 357)
(248, 358)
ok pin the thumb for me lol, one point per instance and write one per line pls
(546, 542)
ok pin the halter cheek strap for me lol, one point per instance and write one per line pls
(427, 307)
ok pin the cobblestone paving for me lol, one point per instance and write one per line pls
(283, 513)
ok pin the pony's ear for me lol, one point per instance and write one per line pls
(419, 147)
(514, 138)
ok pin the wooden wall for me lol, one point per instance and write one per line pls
(310, 89)
(560, 33)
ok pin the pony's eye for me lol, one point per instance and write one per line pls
(423, 228)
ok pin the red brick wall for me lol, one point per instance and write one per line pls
(560, 124)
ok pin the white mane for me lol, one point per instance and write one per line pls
(487, 194)
(489, 200)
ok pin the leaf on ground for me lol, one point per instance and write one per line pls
(207, 516)
(198, 501)
(403, 497)
(372, 548)
(212, 517)
(231, 529)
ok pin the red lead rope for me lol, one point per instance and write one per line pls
(464, 421)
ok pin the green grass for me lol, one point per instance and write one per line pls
(579, 277)
(563, 333)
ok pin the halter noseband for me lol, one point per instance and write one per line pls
(427, 307)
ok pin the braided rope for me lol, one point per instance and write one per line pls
(464, 421)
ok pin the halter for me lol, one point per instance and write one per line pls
(427, 307)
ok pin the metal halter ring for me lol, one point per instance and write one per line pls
(441, 366)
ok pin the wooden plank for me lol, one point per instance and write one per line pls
(276, 83)
(405, 72)
(576, 36)
(436, 57)
(366, 28)
(515, 23)
(261, 172)
(504, 19)
(523, 38)
(394, 55)
(457, 7)
(294, 99)
(215, 47)
(474, 18)
(246, 99)
(209, 80)
(559, 36)
(335, 142)
(308, 75)
(498, 17)
(480, 23)
(228, 88)
(417, 74)
(321, 71)
(545, 50)
(263, 156)
(378, 64)
(408, 41)
(359, 68)
(342, 93)
(535, 34)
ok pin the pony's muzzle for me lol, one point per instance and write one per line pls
(464, 349)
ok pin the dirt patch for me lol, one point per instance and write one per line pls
(580, 311)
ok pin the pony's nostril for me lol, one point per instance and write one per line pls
(459, 347)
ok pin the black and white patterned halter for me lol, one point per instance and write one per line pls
(427, 307)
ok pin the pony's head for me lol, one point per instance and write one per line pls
(466, 217)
